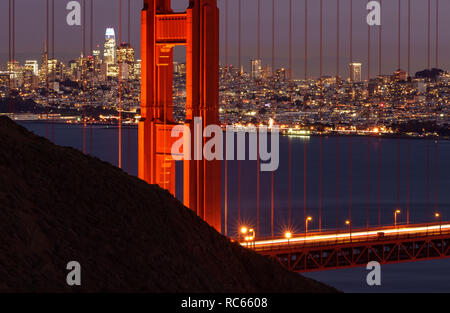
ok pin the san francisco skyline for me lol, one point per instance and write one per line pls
(30, 36)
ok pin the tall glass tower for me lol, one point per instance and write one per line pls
(109, 52)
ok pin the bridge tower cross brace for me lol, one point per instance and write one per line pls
(161, 31)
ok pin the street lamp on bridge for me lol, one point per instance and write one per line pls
(288, 235)
(308, 219)
(395, 216)
(349, 224)
(249, 234)
(437, 215)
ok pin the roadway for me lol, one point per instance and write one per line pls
(317, 239)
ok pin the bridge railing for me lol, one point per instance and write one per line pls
(344, 237)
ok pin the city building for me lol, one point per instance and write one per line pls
(109, 52)
(256, 69)
(125, 58)
(137, 69)
(355, 72)
(43, 72)
(400, 75)
(33, 66)
(267, 72)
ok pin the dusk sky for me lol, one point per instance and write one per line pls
(30, 32)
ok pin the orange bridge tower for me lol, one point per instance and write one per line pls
(198, 30)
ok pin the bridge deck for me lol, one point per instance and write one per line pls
(332, 250)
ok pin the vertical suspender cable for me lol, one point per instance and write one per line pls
(306, 40)
(435, 177)
(272, 203)
(379, 181)
(290, 148)
(409, 37)
(321, 44)
(428, 181)
(240, 101)
(305, 155)
(320, 113)
(257, 134)
(437, 34)
(257, 186)
(337, 39)
(9, 53)
(128, 129)
(435, 142)
(368, 138)
(273, 37)
(239, 38)
(428, 109)
(350, 180)
(129, 21)
(320, 182)
(120, 94)
(398, 174)
(408, 178)
(53, 58)
(305, 144)
(337, 182)
(273, 72)
(368, 184)
(14, 47)
(408, 160)
(290, 185)
(337, 77)
(351, 31)
(399, 35)
(290, 39)
(91, 135)
(429, 36)
(259, 29)
(226, 122)
(380, 37)
(368, 53)
(380, 69)
(398, 66)
(83, 74)
(239, 189)
(350, 138)
(46, 71)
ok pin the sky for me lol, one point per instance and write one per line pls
(31, 32)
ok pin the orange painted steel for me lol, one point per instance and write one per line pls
(198, 30)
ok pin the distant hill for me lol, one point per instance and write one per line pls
(58, 205)
(433, 74)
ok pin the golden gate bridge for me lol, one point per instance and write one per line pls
(197, 29)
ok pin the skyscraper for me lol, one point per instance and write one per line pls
(355, 72)
(109, 52)
(125, 58)
(43, 72)
(32, 66)
(256, 69)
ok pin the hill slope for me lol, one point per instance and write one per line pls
(58, 205)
